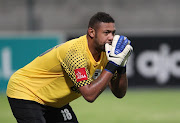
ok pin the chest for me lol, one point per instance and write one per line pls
(95, 69)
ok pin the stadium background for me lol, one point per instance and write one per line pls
(29, 27)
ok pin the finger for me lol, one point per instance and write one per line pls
(128, 49)
(107, 47)
(115, 40)
(129, 42)
(123, 45)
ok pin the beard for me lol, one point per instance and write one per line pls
(100, 47)
(103, 49)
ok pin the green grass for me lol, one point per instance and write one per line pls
(6, 115)
(138, 106)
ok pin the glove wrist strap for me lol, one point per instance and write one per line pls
(111, 67)
(121, 70)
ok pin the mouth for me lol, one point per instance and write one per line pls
(109, 42)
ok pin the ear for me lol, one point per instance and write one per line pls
(91, 32)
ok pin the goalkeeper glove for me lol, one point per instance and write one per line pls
(117, 53)
(124, 62)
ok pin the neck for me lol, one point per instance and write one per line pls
(95, 53)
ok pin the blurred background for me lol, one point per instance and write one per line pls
(29, 27)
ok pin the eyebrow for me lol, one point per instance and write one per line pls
(110, 31)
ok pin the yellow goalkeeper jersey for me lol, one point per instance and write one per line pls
(53, 77)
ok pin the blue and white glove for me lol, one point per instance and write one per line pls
(117, 53)
(124, 62)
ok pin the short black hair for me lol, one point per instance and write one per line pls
(100, 17)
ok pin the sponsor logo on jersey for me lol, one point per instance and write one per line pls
(80, 74)
(96, 73)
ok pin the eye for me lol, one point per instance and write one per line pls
(106, 32)
(113, 33)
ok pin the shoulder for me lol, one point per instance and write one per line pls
(75, 45)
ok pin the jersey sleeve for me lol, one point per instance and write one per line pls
(75, 65)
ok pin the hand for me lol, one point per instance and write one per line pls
(119, 51)
(124, 62)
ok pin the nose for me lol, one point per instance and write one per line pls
(111, 36)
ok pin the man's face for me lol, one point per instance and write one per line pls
(104, 34)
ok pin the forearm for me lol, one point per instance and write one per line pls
(92, 91)
(117, 55)
(119, 85)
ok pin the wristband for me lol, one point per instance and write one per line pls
(111, 67)
(121, 70)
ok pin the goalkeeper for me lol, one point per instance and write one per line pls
(42, 90)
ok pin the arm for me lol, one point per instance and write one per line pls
(92, 91)
(118, 53)
(119, 85)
